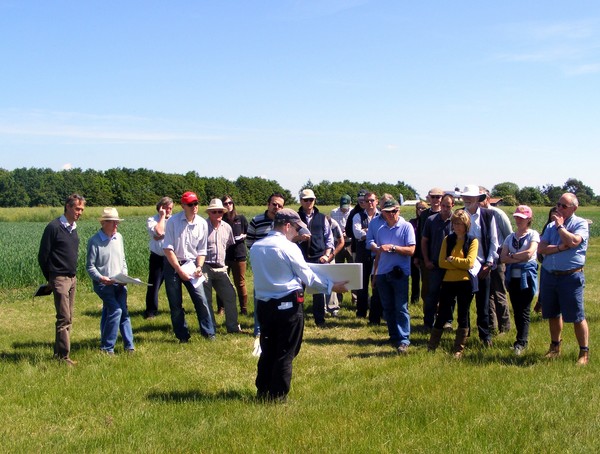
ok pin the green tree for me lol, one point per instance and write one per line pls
(584, 193)
(529, 195)
(504, 189)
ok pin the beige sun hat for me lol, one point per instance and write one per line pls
(110, 214)
(214, 205)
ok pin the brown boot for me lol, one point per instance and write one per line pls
(243, 304)
(434, 339)
(554, 351)
(460, 341)
(584, 357)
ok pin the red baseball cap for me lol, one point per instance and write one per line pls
(189, 197)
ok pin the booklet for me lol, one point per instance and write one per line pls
(339, 272)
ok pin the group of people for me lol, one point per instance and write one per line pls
(454, 255)
(474, 252)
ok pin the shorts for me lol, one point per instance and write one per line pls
(562, 295)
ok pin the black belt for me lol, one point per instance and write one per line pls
(290, 297)
(566, 273)
(214, 265)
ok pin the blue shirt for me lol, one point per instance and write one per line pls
(376, 223)
(279, 268)
(400, 234)
(571, 258)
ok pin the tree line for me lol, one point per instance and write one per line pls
(32, 187)
(546, 195)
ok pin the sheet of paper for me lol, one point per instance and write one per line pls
(339, 272)
(190, 268)
(124, 279)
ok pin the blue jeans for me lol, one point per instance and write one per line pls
(206, 317)
(115, 317)
(393, 292)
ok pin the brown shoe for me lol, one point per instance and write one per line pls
(584, 358)
(69, 362)
(554, 351)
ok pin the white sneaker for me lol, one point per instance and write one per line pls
(257, 350)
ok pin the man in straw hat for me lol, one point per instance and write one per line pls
(185, 246)
(220, 237)
(105, 260)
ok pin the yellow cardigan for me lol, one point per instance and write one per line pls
(458, 269)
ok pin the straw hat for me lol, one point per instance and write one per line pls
(110, 214)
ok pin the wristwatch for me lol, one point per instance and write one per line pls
(393, 248)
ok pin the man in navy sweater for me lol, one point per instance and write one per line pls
(57, 257)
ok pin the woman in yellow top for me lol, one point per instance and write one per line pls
(458, 255)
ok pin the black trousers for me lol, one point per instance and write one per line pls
(156, 278)
(281, 330)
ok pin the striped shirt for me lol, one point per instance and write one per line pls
(259, 227)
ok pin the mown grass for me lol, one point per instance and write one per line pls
(350, 392)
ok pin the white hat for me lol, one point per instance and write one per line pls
(110, 214)
(472, 190)
(307, 194)
(214, 205)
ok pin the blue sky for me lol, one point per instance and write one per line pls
(432, 93)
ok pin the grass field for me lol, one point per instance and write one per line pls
(350, 392)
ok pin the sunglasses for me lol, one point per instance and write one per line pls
(391, 211)
(216, 212)
(308, 200)
(435, 196)
(228, 203)
(276, 205)
(193, 204)
(563, 206)
(371, 200)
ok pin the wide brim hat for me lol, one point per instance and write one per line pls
(215, 205)
(472, 190)
(307, 194)
(110, 214)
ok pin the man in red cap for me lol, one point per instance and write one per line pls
(185, 251)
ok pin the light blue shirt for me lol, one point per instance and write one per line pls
(400, 234)
(376, 223)
(279, 268)
(105, 256)
(571, 258)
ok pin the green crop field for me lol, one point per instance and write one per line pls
(350, 391)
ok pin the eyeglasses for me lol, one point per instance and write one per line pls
(308, 200)
(228, 203)
(563, 206)
(192, 205)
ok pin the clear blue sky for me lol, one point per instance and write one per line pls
(432, 93)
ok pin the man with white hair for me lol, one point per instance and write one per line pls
(564, 245)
